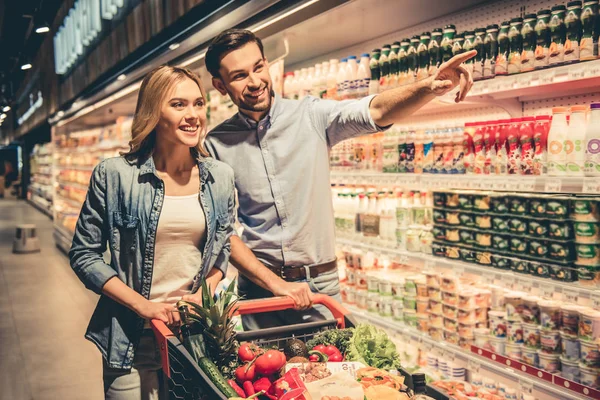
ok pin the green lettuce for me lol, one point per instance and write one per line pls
(372, 346)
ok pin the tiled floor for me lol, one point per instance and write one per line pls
(44, 310)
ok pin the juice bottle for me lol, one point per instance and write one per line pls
(403, 62)
(332, 79)
(528, 35)
(402, 151)
(447, 41)
(428, 152)
(575, 141)
(589, 32)
(513, 149)
(516, 45)
(556, 139)
(457, 45)
(469, 45)
(479, 45)
(423, 55)
(526, 140)
(434, 51)
(351, 73)
(360, 153)
(341, 80)
(410, 151)
(491, 51)
(501, 166)
(540, 139)
(468, 150)
(558, 35)
(438, 152)
(419, 155)
(479, 148)
(543, 39)
(448, 149)
(412, 59)
(390, 150)
(363, 76)
(458, 151)
(376, 151)
(384, 66)
(573, 27)
(592, 142)
(375, 71)
(489, 142)
(393, 75)
(503, 49)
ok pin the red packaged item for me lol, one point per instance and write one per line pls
(489, 141)
(501, 164)
(479, 148)
(513, 147)
(526, 141)
(469, 157)
(290, 384)
(540, 140)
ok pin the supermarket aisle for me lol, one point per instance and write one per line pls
(44, 311)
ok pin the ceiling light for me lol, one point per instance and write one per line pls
(6, 109)
(26, 66)
(173, 46)
(42, 29)
(2, 116)
(121, 77)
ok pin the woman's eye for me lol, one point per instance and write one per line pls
(177, 105)
(200, 104)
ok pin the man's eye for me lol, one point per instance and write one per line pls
(259, 68)
(238, 77)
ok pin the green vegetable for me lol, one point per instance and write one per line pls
(339, 338)
(372, 346)
(215, 376)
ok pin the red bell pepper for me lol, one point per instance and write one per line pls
(248, 388)
(262, 384)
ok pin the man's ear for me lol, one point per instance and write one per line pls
(219, 85)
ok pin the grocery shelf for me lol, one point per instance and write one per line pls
(456, 353)
(570, 291)
(75, 167)
(73, 202)
(63, 238)
(73, 184)
(40, 207)
(512, 183)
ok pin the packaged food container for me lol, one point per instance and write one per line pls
(350, 276)
(466, 299)
(498, 345)
(483, 298)
(531, 310)
(588, 254)
(436, 320)
(451, 337)
(422, 305)
(466, 329)
(450, 311)
(514, 331)
(432, 279)
(560, 230)
(413, 238)
(465, 342)
(453, 235)
(518, 205)
(537, 206)
(439, 216)
(398, 288)
(467, 316)
(466, 220)
(537, 228)
(481, 315)
(452, 200)
(410, 318)
(570, 318)
(569, 369)
(467, 255)
(410, 286)
(564, 273)
(550, 317)
(449, 298)
(588, 275)
(501, 242)
(514, 305)
(435, 306)
(385, 286)
(434, 293)
(385, 306)
(589, 376)
(561, 251)
(482, 202)
(423, 322)
(550, 342)
(361, 299)
(449, 283)
(351, 295)
(498, 204)
(465, 200)
(590, 353)
(397, 310)
(549, 362)
(497, 323)
(557, 207)
(497, 298)
(589, 325)
(436, 334)
(482, 338)
(514, 351)
(587, 232)
(482, 239)
(500, 261)
(410, 303)
(531, 335)
(530, 356)
(518, 245)
(439, 199)
(466, 236)
(517, 225)
(421, 286)
(483, 221)
(451, 324)
(483, 257)
(585, 209)
(539, 269)
(452, 252)
(439, 232)
(538, 248)
(452, 218)
(520, 265)
(500, 224)
(401, 239)
(570, 347)
(361, 279)
(373, 302)
(372, 283)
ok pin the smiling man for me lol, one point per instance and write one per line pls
(279, 150)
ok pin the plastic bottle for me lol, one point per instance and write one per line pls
(302, 83)
(376, 156)
(438, 152)
(489, 141)
(558, 34)
(323, 79)
(589, 36)
(543, 39)
(479, 148)
(501, 167)
(458, 151)
(402, 150)
(363, 208)
(419, 138)
(341, 79)
(384, 66)
(288, 85)
(363, 77)
(332, 79)
(527, 143)
(540, 139)
(308, 82)
(469, 155)
(592, 142)
(351, 74)
(448, 150)
(375, 71)
(434, 49)
(516, 45)
(410, 151)
(390, 150)
(428, 152)
(575, 141)
(513, 148)
(556, 138)
(393, 60)
(296, 85)
(316, 81)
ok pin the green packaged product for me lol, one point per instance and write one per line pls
(589, 31)
(482, 202)
(561, 251)
(543, 39)
(585, 209)
(528, 36)
(560, 230)
(518, 205)
(540, 269)
(465, 201)
(384, 62)
(468, 45)
(483, 257)
(503, 49)
(501, 242)
(439, 199)
(501, 262)
(435, 55)
(557, 208)
(483, 221)
(439, 232)
(447, 42)
(452, 218)
(517, 225)
(520, 265)
(558, 35)
(491, 51)
(452, 200)
(412, 58)
(500, 224)
(439, 216)
(438, 249)
(466, 220)
(479, 45)
(588, 254)
(498, 204)
(588, 274)
(587, 232)
(458, 43)
(538, 248)
(483, 239)
(537, 206)
(374, 64)
(516, 46)
(394, 67)
(403, 61)
(453, 252)
(573, 28)
(537, 228)
(563, 273)
(466, 236)
(518, 245)
(423, 55)
(467, 255)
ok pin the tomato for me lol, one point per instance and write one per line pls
(337, 357)
(248, 352)
(246, 372)
(331, 350)
(270, 362)
(320, 348)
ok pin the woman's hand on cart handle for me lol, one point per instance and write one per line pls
(298, 291)
(164, 312)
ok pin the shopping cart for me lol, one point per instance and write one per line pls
(187, 381)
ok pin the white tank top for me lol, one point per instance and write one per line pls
(178, 250)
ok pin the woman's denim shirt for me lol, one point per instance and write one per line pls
(122, 209)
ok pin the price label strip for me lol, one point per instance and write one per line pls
(596, 301)
(553, 185)
(525, 387)
(591, 186)
(547, 290)
(474, 366)
(570, 295)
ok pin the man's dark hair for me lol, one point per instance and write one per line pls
(225, 42)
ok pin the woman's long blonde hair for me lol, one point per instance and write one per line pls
(157, 84)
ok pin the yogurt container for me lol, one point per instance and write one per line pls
(410, 318)
(410, 303)
(435, 306)
(514, 351)
(466, 330)
(432, 278)
(531, 310)
(410, 286)
(482, 338)
(588, 254)
(385, 306)
(497, 299)
(498, 345)
(350, 277)
(373, 302)
(465, 342)
(436, 334)
(549, 362)
(436, 320)
(449, 298)
(361, 279)
(467, 316)
(585, 209)
(350, 295)
(514, 305)
(361, 299)
(423, 322)
(481, 315)
(450, 311)
(451, 337)
(550, 342)
(385, 287)
(590, 354)
(514, 332)
(449, 283)
(466, 299)
(570, 318)
(569, 369)
(451, 324)
(421, 288)
(434, 293)
(497, 324)
(530, 356)
(531, 336)
(589, 376)
(372, 283)
(589, 325)
(550, 317)
(422, 305)
(397, 288)
(570, 347)
(397, 310)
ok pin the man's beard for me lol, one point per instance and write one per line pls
(258, 107)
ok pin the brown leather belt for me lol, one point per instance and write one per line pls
(298, 273)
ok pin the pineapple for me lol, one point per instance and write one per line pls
(213, 318)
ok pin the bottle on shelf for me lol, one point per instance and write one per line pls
(447, 150)
(363, 77)
(515, 45)
(556, 139)
(351, 73)
(527, 144)
(419, 152)
(479, 59)
(558, 35)
(332, 79)
(308, 82)
(573, 29)
(468, 45)
(390, 150)
(423, 56)
(575, 142)
(479, 148)
(592, 142)
(501, 165)
(513, 147)
(491, 51)
(410, 151)
(458, 151)
(428, 152)
(447, 42)
(540, 139)
(589, 32)
(528, 38)
(323, 79)
(302, 83)
(412, 59)
(403, 62)
(375, 71)
(402, 150)
(316, 81)
(363, 209)
(341, 80)
(296, 85)
(503, 49)
(543, 39)
(489, 143)
(393, 61)
(438, 151)
(469, 155)
(434, 50)
(384, 67)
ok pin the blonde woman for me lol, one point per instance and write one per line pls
(166, 211)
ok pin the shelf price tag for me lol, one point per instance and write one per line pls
(553, 185)
(474, 366)
(525, 387)
(591, 186)
(547, 290)
(527, 185)
(570, 295)
(508, 281)
(525, 285)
